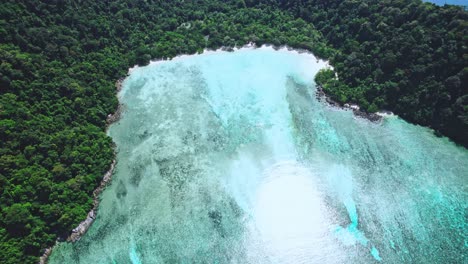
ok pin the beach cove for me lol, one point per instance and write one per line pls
(229, 157)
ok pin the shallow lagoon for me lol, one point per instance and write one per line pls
(228, 157)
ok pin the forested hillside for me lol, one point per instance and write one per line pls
(60, 61)
(59, 64)
(404, 56)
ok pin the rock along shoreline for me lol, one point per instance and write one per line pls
(322, 96)
(81, 229)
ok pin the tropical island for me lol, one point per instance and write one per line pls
(60, 61)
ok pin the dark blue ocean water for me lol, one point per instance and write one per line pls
(450, 2)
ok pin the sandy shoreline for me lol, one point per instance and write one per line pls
(373, 117)
(250, 46)
(321, 96)
(82, 228)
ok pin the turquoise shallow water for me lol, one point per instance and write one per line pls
(229, 158)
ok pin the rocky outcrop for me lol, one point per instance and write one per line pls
(322, 96)
(111, 118)
(45, 256)
(81, 229)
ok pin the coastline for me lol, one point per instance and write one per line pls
(249, 46)
(372, 117)
(82, 227)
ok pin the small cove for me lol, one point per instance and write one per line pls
(228, 157)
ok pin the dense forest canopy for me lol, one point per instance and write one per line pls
(60, 61)
(404, 56)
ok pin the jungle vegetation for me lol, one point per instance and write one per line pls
(60, 59)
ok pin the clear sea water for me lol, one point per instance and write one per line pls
(229, 158)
